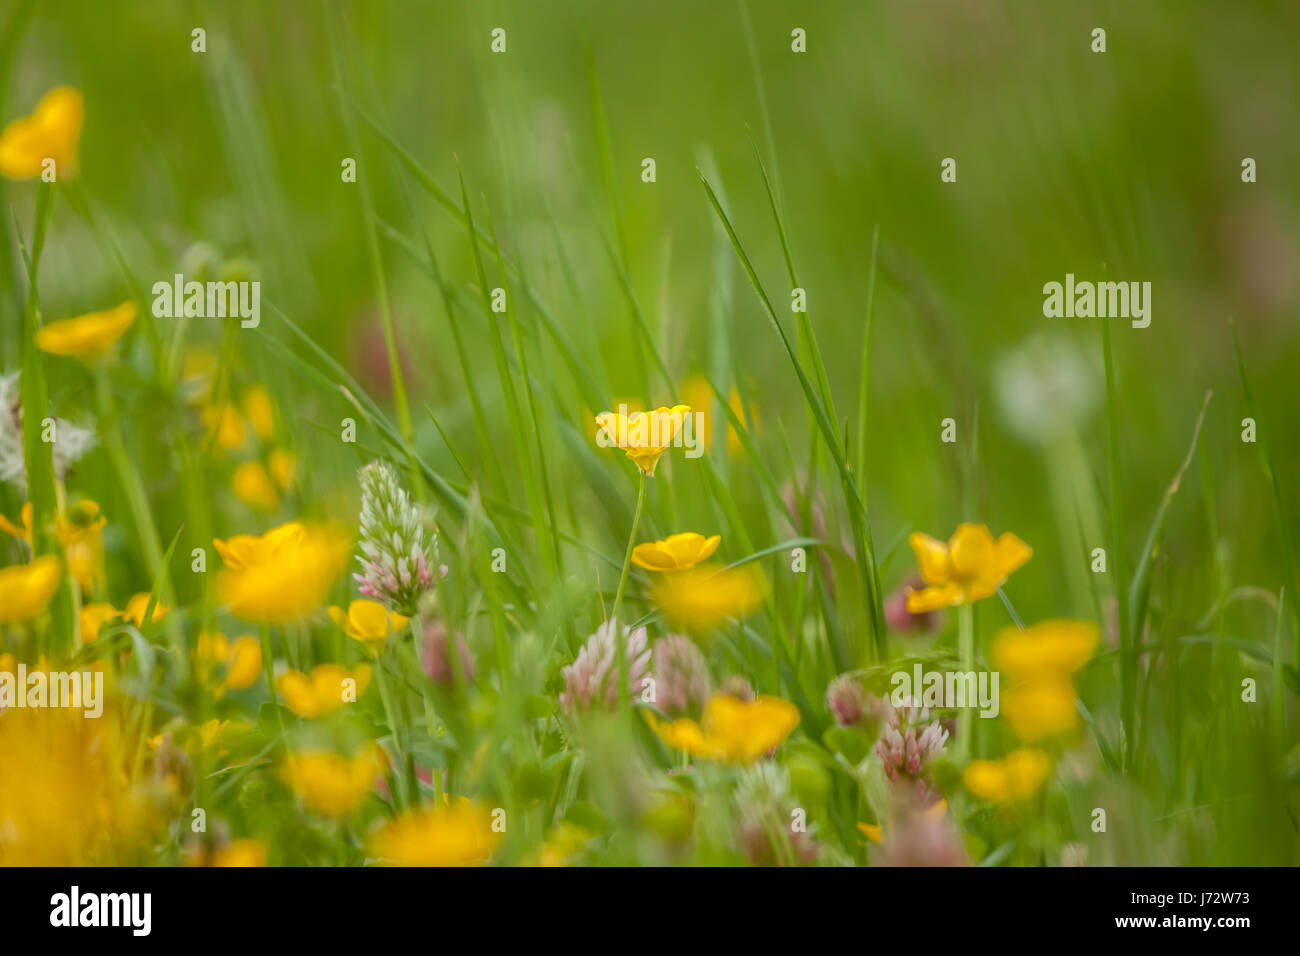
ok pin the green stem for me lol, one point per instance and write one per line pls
(399, 775)
(620, 646)
(966, 657)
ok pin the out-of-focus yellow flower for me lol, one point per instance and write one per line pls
(283, 574)
(970, 567)
(1049, 649)
(1016, 777)
(138, 604)
(282, 466)
(875, 833)
(68, 798)
(78, 530)
(89, 336)
(458, 834)
(644, 436)
(731, 730)
(677, 552)
(51, 131)
(699, 395)
(226, 424)
(368, 622)
(252, 484)
(562, 845)
(241, 853)
(1042, 709)
(241, 660)
(1040, 660)
(26, 589)
(260, 411)
(95, 616)
(329, 784)
(705, 596)
(324, 690)
(237, 853)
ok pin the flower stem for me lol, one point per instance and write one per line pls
(620, 646)
(966, 658)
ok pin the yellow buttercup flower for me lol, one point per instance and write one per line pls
(78, 530)
(1042, 709)
(240, 853)
(970, 567)
(1042, 701)
(699, 394)
(644, 436)
(26, 589)
(225, 424)
(1051, 648)
(332, 785)
(52, 131)
(260, 411)
(1016, 777)
(252, 484)
(241, 659)
(95, 616)
(323, 691)
(138, 604)
(87, 336)
(281, 575)
(368, 622)
(677, 552)
(703, 597)
(731, 730)
(282, 465)
(458, 834)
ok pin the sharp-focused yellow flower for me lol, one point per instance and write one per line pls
(138, 604)
(281, 575)
(95, 616)
(87, 336)
(459, 834)
(703, 597)
(252, 484)
(644, 436)
(332, 785)
(970, 567)
(731, 730)
(1016, 777)
(26, 589)
(324, 691)
(677, 552)
(52, 131)
(241, 660)
(368, 622)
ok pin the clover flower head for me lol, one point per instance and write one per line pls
(764, 801)
(682, 684)
(73, 440)
(395, 566)
(592, 679)
(909, 741)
